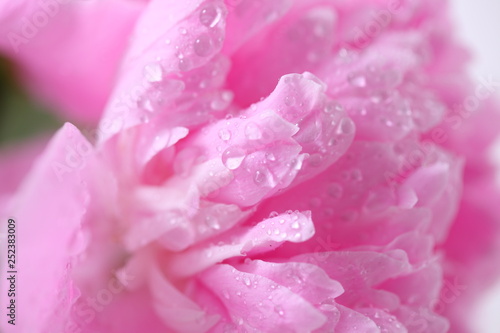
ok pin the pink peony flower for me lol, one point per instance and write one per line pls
(260, 166)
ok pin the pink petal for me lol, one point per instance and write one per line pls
(48, 213)
(268, 306)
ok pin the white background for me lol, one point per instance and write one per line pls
(478, 22)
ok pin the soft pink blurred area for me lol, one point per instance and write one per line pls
(59, 55)
(478, 25)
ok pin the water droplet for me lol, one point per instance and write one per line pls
(270, 157)
(296, 225)
(212, 222)
(328, 305)
(247, 281)
(253, 131)
(232, 157)
(153, 72)
(225, 134)
(279, 310)
(146, 104)
(210, 16)
(346, 126)
(222, 101)
(357, 80)
(332, 142)
(259, 177)
(203, 45)
(335, 190)
(182, 31)
(273, 214)
(332, 107)
(295, 164)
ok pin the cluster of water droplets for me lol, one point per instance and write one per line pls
(194, 43)
(390, 102)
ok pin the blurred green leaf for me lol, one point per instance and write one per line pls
(20, 116)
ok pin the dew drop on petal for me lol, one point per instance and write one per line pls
(222, 101)
(210, 16)
(225, 134)
(279, 310)
(232, 157)
(247, 281)
(328, 305)
(203, 45)
(259, 177)
(332, 142)
(332, 107)
(212, 222)
(253, 131)
(346, 126)
(146, 104)
(270, 157)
